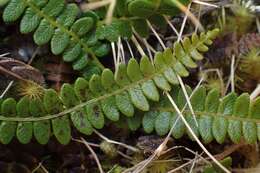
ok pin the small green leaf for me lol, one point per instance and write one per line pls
(255, 113)
(95, 115)
(241, 109)
(149, 121)
(61, 129)
(134, 122)
(14, 10)
(68, 96)
(138, 99)
(7, 128)
(220, 124)
(29, 22)
(82, 25)
(162, 123)
(109, 108)
(205, 122)
(143, 8)
(124, 104)
(81, 62)
(146, 66)
(51, 101)
(95, 85)
(183, 56)
(44, 33)
(150, 91)
(80, 121)
(59, 42)
(179, 126)
(72, 52)
(141, 27)
(3, 2)
(61, 125)
(101, 49)
(198, 102)
(24, 130)
(53, 7)
(108, 81)
(41, 129)
(68, 15)
(81, 89)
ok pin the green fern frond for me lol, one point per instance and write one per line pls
(57, 23)
(78, 38)
(89, 104)
(232, 116)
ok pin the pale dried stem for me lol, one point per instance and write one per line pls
(255, 93)
(94, 155)
(194, 135)
(116, 142)
(6, 89)
(138, 46)
(205, 3)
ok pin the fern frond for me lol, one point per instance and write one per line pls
(89, 104)
(57, 23)
(77, 38)
(232, 116)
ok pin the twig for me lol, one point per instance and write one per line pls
(258, 24)
(138, 46)
(5, 54)
(184, 9)
(12, 74)
(110, 11)
(232, 74)
(114, 54)
(205, 3)
(193, 163)
(89, 143)
(94, 5)
(171, 25)
(129, 48)
(33, 55)
(194, 135)
(183, 23)
(255, 93)
(183, 165)
(40, 166)
(94, 155)
(156, 35)
(188, 100)
(7, 89)
(116, 142)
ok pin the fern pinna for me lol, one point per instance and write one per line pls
(87, 104)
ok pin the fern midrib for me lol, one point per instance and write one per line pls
(211, 114)
(81, 105)
(64, 29)
(161, 109)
